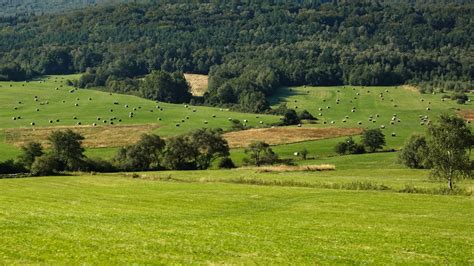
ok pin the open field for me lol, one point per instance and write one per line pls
(53, 107)
(116, 219)
(198, 83)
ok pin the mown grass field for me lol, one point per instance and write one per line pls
(96, 104)
(115, 219)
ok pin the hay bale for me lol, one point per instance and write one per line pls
(394, 134)
(359, 123)
(205, 122)
(32, 123)
(382, 126)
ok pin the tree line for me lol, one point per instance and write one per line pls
(196, 150)
(249, 48)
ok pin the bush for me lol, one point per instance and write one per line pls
(305, 115)
(45, 165)
(349, 146)
(99, 165)
(291, 118)
(413, 153)
(11, 167)
(226, 163)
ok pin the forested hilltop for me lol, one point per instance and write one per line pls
(249, 48)
(28, 7)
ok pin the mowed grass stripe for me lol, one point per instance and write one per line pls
(109, 219)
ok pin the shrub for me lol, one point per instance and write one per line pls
(305, 115)
(11, 167)
(226, 163)
(349, 146)
(45, 165)
(413, 153)
(291, 118)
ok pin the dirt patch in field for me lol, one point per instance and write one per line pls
(411, 88)
(468, 115)
(95, 137)
(198, 83)
(284, 135)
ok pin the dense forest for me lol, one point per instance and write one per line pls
(249, 48)
(27, 7)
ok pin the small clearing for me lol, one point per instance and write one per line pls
(284, 135)
(198, 83)
(95, 137)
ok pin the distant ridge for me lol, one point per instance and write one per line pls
(26, 7)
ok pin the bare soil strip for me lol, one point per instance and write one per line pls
(284, 135)
(295, 168)
(95, 137)
(198, 83)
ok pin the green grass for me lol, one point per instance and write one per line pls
(117, 220)
(409, 106)
(99, 106)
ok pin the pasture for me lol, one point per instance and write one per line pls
(29, 110)
(117, 219)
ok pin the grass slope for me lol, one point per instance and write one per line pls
(51, 107)
(111, 219)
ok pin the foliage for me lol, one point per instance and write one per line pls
(66, 147)
(225, 163)
(146, 154)
(260, 153)
(373, 139)
(349, 146)
(449, 143)
(44, 165)
(11, 167)
(166, 87)
(305, 115)
(209, 145)
(290, 118)
(414, 152)
(29, 153)
(280, 43)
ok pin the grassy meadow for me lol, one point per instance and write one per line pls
(114, 219)
(369, 210)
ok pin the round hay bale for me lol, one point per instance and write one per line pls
(94, 124)
(205, 122)
(360, 122)
(13, 118)
(50, 121)
(177, 125)
(32, 123)
(261, 122)
(394, 134)
(382, 127)
(37, 110)
(79, 123)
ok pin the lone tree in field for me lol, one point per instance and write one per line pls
(66, 147)
(373, 139)
(449, 144)
(29, 153)
(260, 153)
